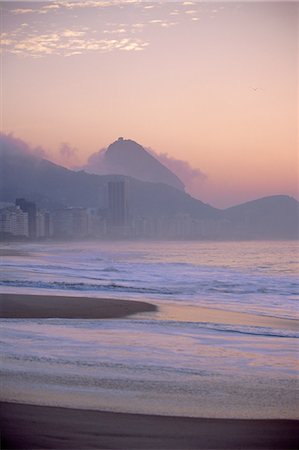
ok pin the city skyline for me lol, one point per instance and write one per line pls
(210, 87)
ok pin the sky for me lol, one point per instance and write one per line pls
(209, 87)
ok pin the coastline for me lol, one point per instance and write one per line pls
(192, 313)
(41, 306)
(23, 306)
(27, 426)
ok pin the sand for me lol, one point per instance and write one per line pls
(20, 306)
(12, 252)
(191, 313)
(40, 427)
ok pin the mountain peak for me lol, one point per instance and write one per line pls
(127, 157)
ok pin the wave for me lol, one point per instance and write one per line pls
(62, 285)
(111, 269)
(222, 328)
(255, 331)
(238, 284)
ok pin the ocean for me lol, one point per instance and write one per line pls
(223, 343)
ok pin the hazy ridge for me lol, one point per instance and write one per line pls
(52, 186)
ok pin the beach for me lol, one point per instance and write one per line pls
(149, 346)
(26, 426)
(22, 306)
(36, 427)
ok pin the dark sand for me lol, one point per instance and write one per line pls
(20, 306)
(40, 427)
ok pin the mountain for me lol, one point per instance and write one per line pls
(28, 175)
(275, 217)
(52, 186)
(127, 157)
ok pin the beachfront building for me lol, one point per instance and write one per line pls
(43, 224)
(30, 209)
(14, 222)
(70, 222)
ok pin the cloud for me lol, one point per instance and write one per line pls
(191, 11)
(116, 31)
(67, 155)
(72, 5)
(43, 37)
(67, 152)
(95, 163)
(65, 43)
(72, 33)
(22, 11)
(13, 147)
(162, 23)
(193, 178)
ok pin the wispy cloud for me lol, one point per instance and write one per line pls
(72, 33)
(73, 5)
(14, 147)
(65, 43)
(107, 30)
(115, 31)
(22, 11)
(162, 23)
(68, 155)
(192, 177)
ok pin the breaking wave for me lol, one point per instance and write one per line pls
(62, 285)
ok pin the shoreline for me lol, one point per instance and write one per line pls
(194, 313)
(29, 306)
(27, 426)
(44, 306)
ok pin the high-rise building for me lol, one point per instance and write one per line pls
(117, 203)
(30, 209)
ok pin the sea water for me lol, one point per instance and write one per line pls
(158, 362)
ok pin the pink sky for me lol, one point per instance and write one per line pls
(212, 84)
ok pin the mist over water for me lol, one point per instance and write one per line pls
(175, 361)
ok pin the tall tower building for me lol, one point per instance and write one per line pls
(117, 203)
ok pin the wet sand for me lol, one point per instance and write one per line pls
(37, 427)
(12, 252)
(21, 306)
(191, 313)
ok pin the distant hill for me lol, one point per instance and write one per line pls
(275, 217)
(127, 157)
